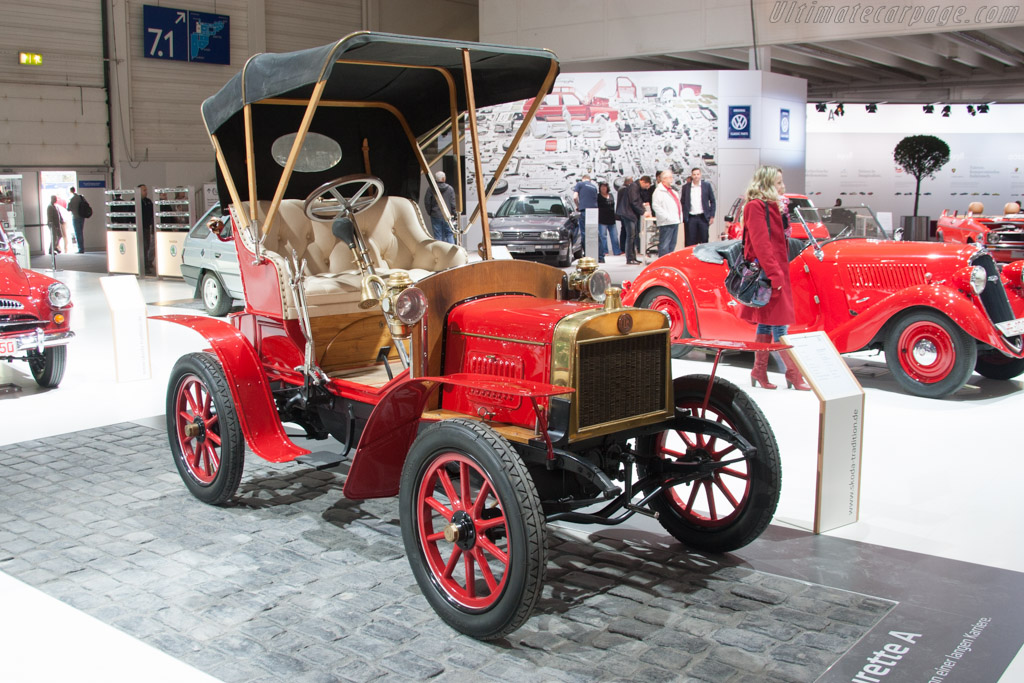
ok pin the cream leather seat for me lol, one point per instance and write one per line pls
(1011, 208)
(975, 209)
(395, 237)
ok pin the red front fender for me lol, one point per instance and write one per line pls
(673, 280)
(860, 330)
(247, 381)
(377, 464)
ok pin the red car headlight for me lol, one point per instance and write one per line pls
(971, 279)
(1012, 273)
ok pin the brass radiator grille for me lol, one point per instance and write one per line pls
(620, 378)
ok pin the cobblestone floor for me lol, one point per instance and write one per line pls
(296, 583)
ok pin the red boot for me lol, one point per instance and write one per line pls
(794, 379)
(760, 371)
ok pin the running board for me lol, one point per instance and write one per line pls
(321, 460)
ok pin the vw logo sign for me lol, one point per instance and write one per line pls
(784, 125)
(739, 122)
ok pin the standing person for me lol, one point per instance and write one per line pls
(148, 230)
(764, 238)
(698, 208)
(668, 212)
(77, 220)
(442, 228)
(606, 222)
(635, 209)
(621, 204)
(584, 194)
(53, 222)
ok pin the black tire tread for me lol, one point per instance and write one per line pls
(1003, 369)
(48, 368)
(958, 377)
(232, 463)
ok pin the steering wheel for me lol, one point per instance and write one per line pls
(352, 193)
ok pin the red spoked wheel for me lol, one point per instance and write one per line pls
(463, 532)
(203, 429)
(732, 505)
(473, 528)
(664, 301)
(929, 355)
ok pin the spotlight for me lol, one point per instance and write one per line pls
(970, 110)
(945, 111)
(821, 106)
(839, 109)
(871, 108)
(982, 108)
(929, 109)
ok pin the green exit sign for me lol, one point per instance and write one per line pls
(30, 59)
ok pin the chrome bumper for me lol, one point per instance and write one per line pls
(33, 341)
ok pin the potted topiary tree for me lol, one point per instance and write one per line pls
(920, 156)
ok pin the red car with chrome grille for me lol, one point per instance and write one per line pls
(734, 228)
(34, 318)
(1003, 235)
(939, 311)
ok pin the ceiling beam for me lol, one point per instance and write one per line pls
(910, 48)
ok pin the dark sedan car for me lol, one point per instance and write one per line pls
(538, 226)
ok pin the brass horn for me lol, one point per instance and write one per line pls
(369, 298)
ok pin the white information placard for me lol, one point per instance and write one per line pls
(841, 429)
(130, 327)
(590, 238)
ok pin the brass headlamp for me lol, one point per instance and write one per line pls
(589, 281)
(403, 304)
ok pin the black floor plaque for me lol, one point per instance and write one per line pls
(296, 583)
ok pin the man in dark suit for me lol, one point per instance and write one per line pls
(637, 207)
(698, 208)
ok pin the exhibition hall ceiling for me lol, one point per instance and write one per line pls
(951, 67)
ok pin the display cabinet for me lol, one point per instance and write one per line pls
(172, 214)
(123, 231)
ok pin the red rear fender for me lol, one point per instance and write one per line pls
(674, 281)
(247, 381)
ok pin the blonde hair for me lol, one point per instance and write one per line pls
(762, 186)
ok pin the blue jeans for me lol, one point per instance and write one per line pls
(667, 238)
(775, 330)
(607, 230)
(442, 230)
(79, 225)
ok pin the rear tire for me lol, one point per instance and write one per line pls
(48, 367)
(997, 366)
(216, 299)
(730, 508)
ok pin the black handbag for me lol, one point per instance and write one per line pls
(746, 281)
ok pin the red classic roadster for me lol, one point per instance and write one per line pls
(939, 311)
(491, 397)
(35, 313)
(734, 227)
(1003, 236)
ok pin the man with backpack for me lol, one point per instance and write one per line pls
(80, 210)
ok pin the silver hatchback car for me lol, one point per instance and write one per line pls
(209, 263)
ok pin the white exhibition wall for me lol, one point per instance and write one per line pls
(851, 158)
(617, 124)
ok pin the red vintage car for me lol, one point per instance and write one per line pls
(1003, 236)
(567, 106)
(490, 397)
(939, 311)
(734, 227)
(35, 313)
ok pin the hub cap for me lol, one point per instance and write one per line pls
(926, 352)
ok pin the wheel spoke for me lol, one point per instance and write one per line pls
(498, 553)
(434, 538)
(470, 575)
(726, 492)
(485, 569)
(212, 459)
(485, 524)
(710, 495)
(438, 507)
(210, 423)
(673, 453)
(466, 496)
(193, 406)
(214, 437)
(734, 473)
(725, 451)
(693, 495)
(481, 500)
(449, 489)
(185, 416)
(207, 404)
(453, 562)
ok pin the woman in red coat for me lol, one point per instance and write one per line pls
(765, 234)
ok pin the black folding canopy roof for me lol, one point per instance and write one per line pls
(373, 68)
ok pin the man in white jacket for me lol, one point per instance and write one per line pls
(668, 211)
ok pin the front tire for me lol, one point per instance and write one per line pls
(995, 365)
(730, 508)
(216, 299)
(661, 299)
(473, 528)
(929, 355)
(48, 367)
(203, 428)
